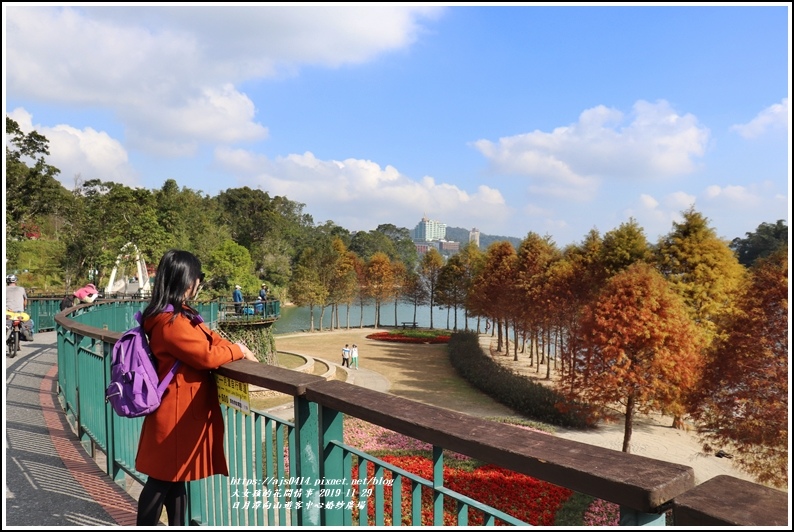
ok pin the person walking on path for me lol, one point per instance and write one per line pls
(183, 439)
(354, 356)
(346, 356)
(237, 297)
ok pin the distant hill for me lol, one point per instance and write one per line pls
(458, 234)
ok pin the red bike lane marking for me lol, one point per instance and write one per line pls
(114, 500)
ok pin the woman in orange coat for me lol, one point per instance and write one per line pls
(183, 439)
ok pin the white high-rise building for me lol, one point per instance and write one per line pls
(429, 230)
(474, 236)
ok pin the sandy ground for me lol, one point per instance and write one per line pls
(413, 372)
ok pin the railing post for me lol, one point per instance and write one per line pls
(332, 466)
(438, 482)
(307, 441)
(112, 467)
(631, 517)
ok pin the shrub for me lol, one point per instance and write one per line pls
(526, 397)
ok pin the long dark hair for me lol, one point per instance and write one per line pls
(176, 273)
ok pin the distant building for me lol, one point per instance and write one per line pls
(429, 230)
(423, 247)
(474, 236)
(451, 247)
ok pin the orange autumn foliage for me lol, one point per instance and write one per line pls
(742, 404)
(638, 347)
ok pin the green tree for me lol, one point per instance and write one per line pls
(404, 247)
(32, 191)
(701, 268)
(764, 241)
(366, 244)
(624, 246)
(645, 349)
(227, 266)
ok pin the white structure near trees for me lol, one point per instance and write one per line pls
(129, 275)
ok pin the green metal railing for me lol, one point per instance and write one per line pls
(268, 483)
(42, 311)
(301, 472)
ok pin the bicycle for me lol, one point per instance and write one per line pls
(14, 321)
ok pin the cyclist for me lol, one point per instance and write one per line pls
(17, 301)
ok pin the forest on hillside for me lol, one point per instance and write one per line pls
(691, 325)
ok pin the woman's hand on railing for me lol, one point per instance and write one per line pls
(247, 354)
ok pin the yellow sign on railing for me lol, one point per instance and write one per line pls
(233, 394)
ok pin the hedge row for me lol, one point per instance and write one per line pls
(526, 397)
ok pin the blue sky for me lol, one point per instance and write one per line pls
(555, 119)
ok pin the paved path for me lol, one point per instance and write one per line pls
(50, 479)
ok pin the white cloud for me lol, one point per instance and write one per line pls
(649, 202)
(654, 142)
(86, 153)
(736, 195)
(171, 72)
(679, 200)
(352, 191)
(776, 116)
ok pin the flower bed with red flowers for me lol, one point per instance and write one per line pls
(526, 498)
(410, 338)
(531, 500)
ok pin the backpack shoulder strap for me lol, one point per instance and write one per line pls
(167, 379)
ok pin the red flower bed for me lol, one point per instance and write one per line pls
(533, 501)
(397, 337)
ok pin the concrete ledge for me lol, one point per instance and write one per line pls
(729, 501)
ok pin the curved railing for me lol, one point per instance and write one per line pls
(278, 468)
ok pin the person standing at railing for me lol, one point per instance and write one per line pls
(237, 297)
(183, 439)
(86, 294)
(263, 292)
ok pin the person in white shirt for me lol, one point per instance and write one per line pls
(354, 356)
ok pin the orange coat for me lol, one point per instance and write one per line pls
(183, 439)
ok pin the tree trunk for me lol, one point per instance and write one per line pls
(628, 425)
(515, 343)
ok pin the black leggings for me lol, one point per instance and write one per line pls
(159, 493)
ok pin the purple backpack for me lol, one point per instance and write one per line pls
(134, 389)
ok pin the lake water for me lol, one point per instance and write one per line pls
(295, 319)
